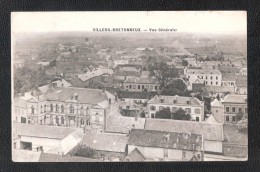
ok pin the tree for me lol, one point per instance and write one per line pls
(180, 114)
(185, 63)
(239, 116)
(164, 113)
(52, 63)
(242, 125)
(163, 73)
(176, 87)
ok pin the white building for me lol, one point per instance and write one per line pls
(211, 77)
(191, 105)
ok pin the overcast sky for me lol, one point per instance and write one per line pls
(199, 22)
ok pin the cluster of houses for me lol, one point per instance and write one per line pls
(55, 119)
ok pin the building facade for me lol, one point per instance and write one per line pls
(141, 84)
(234, 104)
(191, 105)
(71, 107)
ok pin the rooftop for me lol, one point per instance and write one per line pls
(123, 124)
(84, 95)
(34, 130)
(135, 155)
(233, 98)
(134, 95)
(220, 89)
(180, 100)
(165, 139)
(105, 141)
(202, 71)
(209, 131)
(216, 102)
(138, 80)
(95, 73)
(46, 157)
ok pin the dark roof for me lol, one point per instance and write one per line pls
(164, 139)
(135, 95)
(85, 95)
(209, 131)
(135, 155)
(46, 157)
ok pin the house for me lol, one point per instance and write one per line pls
(228, 79)
(20, 110)
(241, 84)
(71, 107)
(123, 124)
(210, 77)
(191, 105)
(217, 110)
(120, 62)
(191, 61)
(109, 146)
(141, 84)
(234, 104)
(128, 108)
(220, 90)
(55, 140)
(212, 133)
(58, 83)
(194, 83)
(165, 146)
(135, 97)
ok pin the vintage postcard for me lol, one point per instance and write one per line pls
(129, 86)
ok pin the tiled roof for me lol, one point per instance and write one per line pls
(134, 95)
(138, 80)
(105, 141)
(46, 157)
(123, 124)
(209, 131)
(170, 100)
(34, 130)
(135, 155)
(92, 74)
(202, 71)
(233, 98)
(85, 95)
(165, 139)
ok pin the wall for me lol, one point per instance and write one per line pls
(218, 113)
(134, 87)
(46, 143)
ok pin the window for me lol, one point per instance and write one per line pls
(227, 109)
(130, 86)
(165, 152)
(233, 109)
(161, 108)
(155, 87)
(88, 122)
(71, 109)
(51, 106)
(62, 109)
(239, 109)
(81, 111)
(206, 82)
(201, 77)
(102, 156)
(62, 120)
(32, 108)
(152, 108)
(81, 122)
(44, 108)
(174, 101)
(197, 111)
(57, 120)
(206, 77)
(216, 83)
(233, 118)
(188, 102)
(216, 77)
(138, 87)
(97, 117)
(211, 83)
(216, 111)
(57, 108)
(197, 119)
(41, 109)
(211, 77)
(174, 109)
(188, 110)
(227, 118)
(183, 154)
(142, 87)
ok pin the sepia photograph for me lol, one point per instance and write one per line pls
(139, 86)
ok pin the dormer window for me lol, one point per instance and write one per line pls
(174, 101)
(188, 102)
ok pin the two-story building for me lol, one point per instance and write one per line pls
(210, 77)
(71, 107)
(191, 105)
(166, 146)
(234, 104)
(141, 84)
